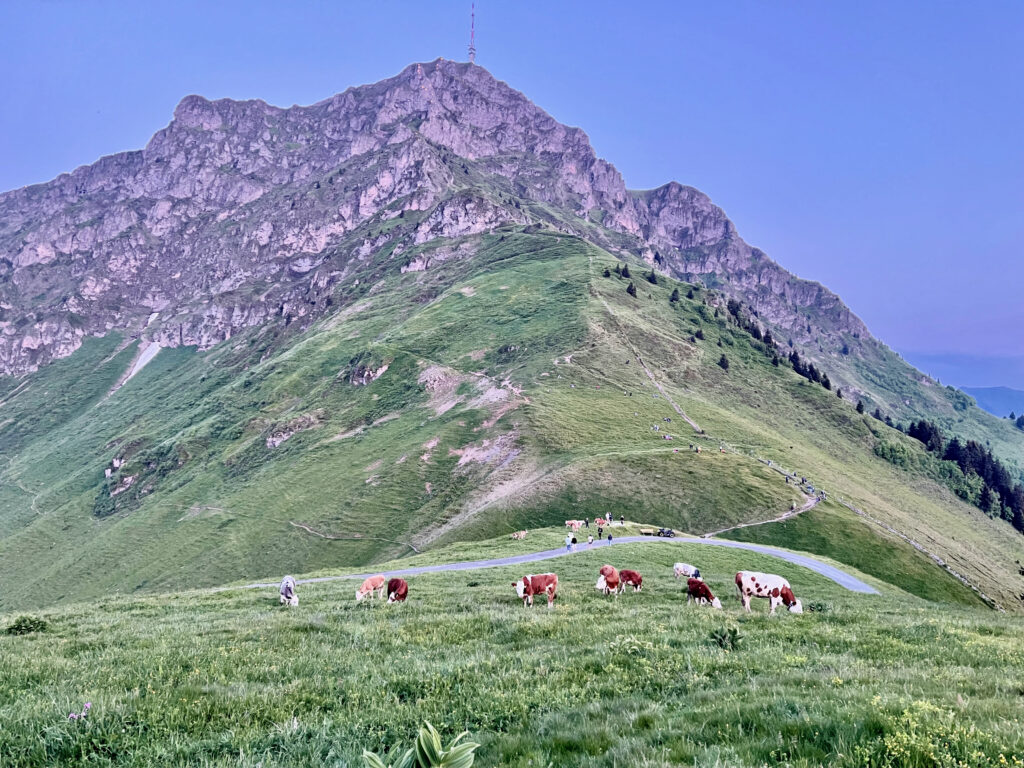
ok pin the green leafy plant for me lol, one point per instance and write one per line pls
(429, 753)
(819, 607)
(727, 639)
(26, 625)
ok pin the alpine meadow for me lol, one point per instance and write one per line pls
(382, 334)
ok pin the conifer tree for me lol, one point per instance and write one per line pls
(625, 270)
(723, 362)
(631, 290)
(860, 406)
(607, 273)
(674, 298)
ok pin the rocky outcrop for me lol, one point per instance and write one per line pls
(239, 214)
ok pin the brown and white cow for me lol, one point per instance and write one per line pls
(519, 535)
(398, 590)
(574, 525)
(767, 585)
(371, 585)
(631, 579)
(537, 584)
(608, 582)
(697, 590)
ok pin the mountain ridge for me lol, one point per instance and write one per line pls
(217, 157)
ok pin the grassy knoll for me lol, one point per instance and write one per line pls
(230, 678)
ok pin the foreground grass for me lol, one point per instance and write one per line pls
(230, 678)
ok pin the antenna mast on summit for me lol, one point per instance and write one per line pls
(472, 33)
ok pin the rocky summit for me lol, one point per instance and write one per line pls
(240, 213)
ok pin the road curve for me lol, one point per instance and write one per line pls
(840, 577)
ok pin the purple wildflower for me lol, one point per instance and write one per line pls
(73, 716)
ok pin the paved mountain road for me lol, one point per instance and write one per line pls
(840, 577)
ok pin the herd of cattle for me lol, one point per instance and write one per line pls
(610, 581)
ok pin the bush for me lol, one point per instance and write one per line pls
(26, 625)
(429, 753)
(723, 363)
(727, 639)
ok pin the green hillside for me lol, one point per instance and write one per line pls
(229, 678)
(500, 389)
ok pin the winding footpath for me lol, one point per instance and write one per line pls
(840, 577)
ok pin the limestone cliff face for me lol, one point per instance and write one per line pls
(239, 213)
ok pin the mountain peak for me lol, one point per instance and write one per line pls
(171, 242)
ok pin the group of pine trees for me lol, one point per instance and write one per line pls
(999, 493)
(809, 371)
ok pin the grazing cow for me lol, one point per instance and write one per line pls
(398, 590)
(537, 584)
(371, 585)
(608, 581)
(519, 535)
(631, 579)
(697, 590)
(574, 525)
(775, 588)
(288, 591)
(687, 570)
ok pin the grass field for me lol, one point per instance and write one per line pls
(231, 679)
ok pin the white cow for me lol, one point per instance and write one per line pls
(775, 588)
(287, 591)
(687, 570)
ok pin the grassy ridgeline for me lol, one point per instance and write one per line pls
(231, 679)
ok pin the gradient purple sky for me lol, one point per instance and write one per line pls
(873, 146)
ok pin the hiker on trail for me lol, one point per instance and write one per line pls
(792, 507)
(568, 543)
(622, 520)
(787, 479)
(573, 543)
(609, 538)
(586, 522)
(590, 541)
(691, 446)
(599, 531)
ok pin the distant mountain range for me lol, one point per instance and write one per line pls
(1000, 401)
(975, 370)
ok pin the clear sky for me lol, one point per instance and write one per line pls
(877, 147)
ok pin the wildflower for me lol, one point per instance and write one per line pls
(73, 716)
